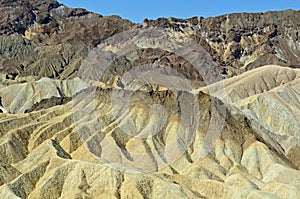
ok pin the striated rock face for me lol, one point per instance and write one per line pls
(268, 97)
(65, 152)
(48, 39)
(241, 42)
(47, 30)
(17, 98)
(99, 107)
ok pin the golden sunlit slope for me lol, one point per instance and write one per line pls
(268, 96)
(70, 151)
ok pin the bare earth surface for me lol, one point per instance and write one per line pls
(99, 107)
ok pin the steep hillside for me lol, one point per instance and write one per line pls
(100, 107)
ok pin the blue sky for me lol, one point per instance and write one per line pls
(136, 11)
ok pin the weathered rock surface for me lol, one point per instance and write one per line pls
(99, 107)
(47, 30)
(268, 97)
(243, 41)
(17, 98)
(65, 151)
(48, 39)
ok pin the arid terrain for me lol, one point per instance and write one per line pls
(96, 106)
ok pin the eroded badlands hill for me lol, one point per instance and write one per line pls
(99, 107)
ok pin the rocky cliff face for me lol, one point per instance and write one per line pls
(47, 39)
(99, 107)
(241, 42)
(51, 30)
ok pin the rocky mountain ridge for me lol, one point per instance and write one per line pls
(235, 45)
